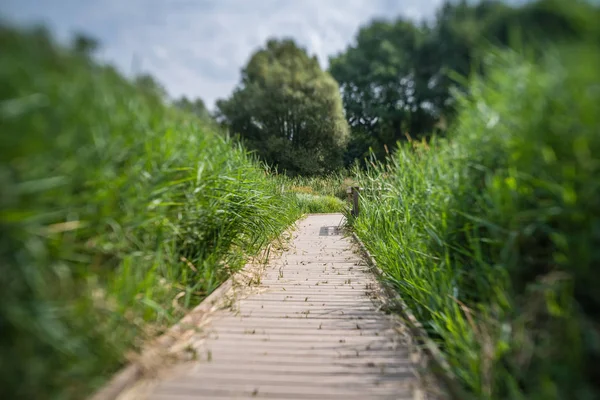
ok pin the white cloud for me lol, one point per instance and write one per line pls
(197, 48)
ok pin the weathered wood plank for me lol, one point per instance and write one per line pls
(312, 329)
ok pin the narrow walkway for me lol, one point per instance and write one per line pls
(313, 330)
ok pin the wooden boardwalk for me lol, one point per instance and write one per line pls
(312, 330)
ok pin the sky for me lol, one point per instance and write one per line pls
(198, 47)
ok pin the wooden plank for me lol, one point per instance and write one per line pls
(288, 391)
(300, 356)
(311, 329)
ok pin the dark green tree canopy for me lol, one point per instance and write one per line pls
(150, 86)
(378, 76)
(397, 76)
(85, 44)
(288, 110)
(196, 107)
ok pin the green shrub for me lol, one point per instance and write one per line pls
(334, 184)
(493, 236)
(116, 214)
(313, 204)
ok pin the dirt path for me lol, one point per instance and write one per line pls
(311, 329)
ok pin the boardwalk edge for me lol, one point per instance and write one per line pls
(436, 361)
(133, 372)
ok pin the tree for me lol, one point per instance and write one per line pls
(288, 110)
(150, 86)
(84, 44)
(397, 77)
(395, 80)
(543, 21)
(379, 77)
(196, 107)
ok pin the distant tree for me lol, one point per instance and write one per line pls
(150, 86)
(546, 20)
(398, 75)
(196, 107)
(84, 44)
(289, 110)
(378, 78)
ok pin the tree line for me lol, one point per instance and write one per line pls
(395, 81)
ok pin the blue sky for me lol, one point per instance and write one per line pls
(197, 47)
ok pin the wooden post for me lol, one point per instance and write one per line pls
(353, 197)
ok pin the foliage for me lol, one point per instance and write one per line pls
(313, 203)
(196, 107)
(492, 236)
(150, 87)
(378, 84)
(316, 194)
(117, 213)
(85, 45)
(397, 77)
(288, 110)
(334, 184)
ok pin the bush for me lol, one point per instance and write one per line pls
(117, 213)
(312, 203)
(334, 184)
(493, 236)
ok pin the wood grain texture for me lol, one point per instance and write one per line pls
(313, 328)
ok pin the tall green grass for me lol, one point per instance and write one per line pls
(116, 214)
(316, 194)
(333, 185)
(493, 235)
(317, 204)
